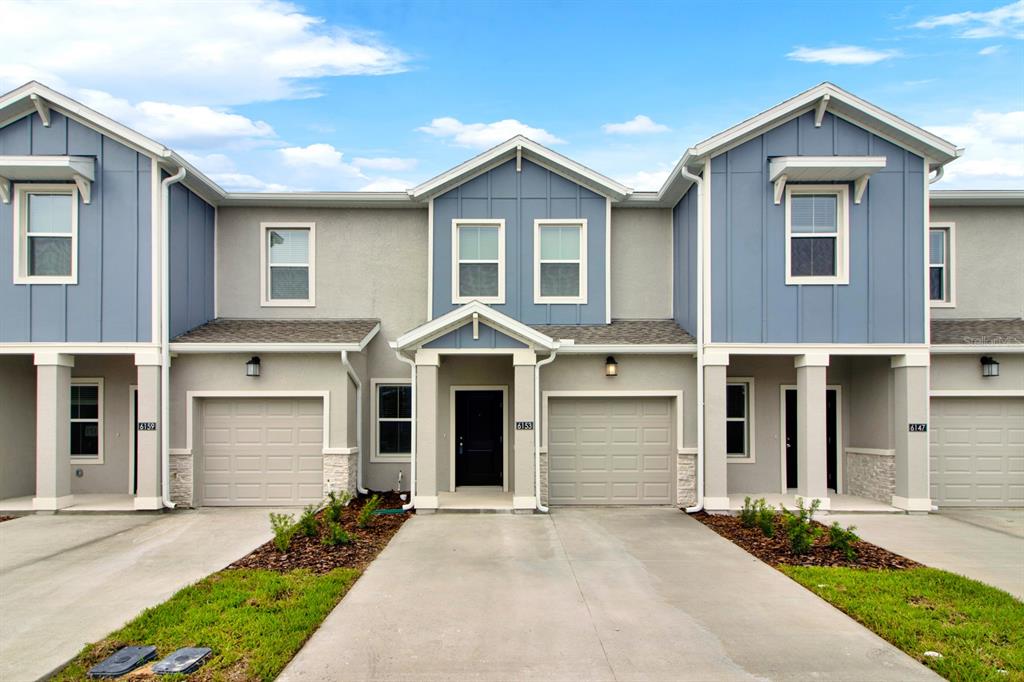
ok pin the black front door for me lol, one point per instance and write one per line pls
(135, 440)
(478, 437)
(791, 439)
(831, 438)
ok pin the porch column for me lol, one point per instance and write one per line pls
(524, 495)
(148, 467)
(427, 363)
(910, 380)
(811, 449)
(716, 483)
(53, 431)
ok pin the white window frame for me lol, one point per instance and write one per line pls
(21, 194)
(749, 457)
(482, 222)
(89, 381)
(375, 454)
(841, 235)
(265, 300)
(950, 265)
(539, 223)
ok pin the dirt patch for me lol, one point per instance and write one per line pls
(775, 550)
(310, 552)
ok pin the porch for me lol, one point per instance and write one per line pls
(475, 498)
(82, 503)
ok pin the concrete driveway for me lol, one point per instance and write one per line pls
(588, 594)
(67, 580)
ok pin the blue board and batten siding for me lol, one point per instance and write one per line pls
(112, 300)
(684, 261)
(488, 337)
(191, 260)
(750, 300)
(520, 198)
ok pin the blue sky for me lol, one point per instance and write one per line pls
(383, 95)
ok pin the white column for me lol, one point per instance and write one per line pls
(524, 496)
(716, 480)
(812, 449)
(427, 363)
(149, 468)
(53, 431)
(910, 383)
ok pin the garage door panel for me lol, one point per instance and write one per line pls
(629, 435)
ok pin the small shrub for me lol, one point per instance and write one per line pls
(758, 514)
(366, 513)
(801, 532)
(842, 539)
(336, 502)
(335, 535)
(283, 526)
(308, 524)
(748, 515)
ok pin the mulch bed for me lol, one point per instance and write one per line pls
(6, 518)
(775, 550)
(313, 555)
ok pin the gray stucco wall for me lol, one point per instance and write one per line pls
(17, 426)
(112, 300)
(114, 474)
(642, 262)
(191, 260)
(988, 272)
(684, 262)
(751, 302)
(521, 198)
(463, 338)
(963, 372)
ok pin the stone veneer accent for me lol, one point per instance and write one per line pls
(544, 478)
(686, 480)
(340, 473)
(871, 475)
(181, 479)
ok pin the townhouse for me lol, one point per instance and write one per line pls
(793, 314)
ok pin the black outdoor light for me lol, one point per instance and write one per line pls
(989, 366)
(611, 368)
(252, 368)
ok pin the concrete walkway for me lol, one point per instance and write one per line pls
(588, 594)
(67, 580)
(985, 545)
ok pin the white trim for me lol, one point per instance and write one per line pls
(504, 430)
(100, 421)
(192, 396)
(458, 223)
(840, 450)
(22, 235)
(878, 452)
(147, 503)
(976, 393)
(948, 267)
(914, 504)
(704, 253)
(156, 243)
(187, 347)
(265, 300)
(608, 260)
(132, 472)
(670, 393)
(77, 348)
(832, 169)
(748, 419)
(341, 451)
(52, 503)
(627, 348)
(972, 349)
(581, 261)
(841, 235)
(375, 455)
(216, 269)
(811, 348)
(430, 259)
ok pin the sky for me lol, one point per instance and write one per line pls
(264, 95)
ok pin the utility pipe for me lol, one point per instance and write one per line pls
(699, 184)
(412, 445)
(165, 334)
(359, 420)
(536, 426)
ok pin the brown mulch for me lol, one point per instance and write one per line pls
(775, 550)
(6, 518)
(312, 554)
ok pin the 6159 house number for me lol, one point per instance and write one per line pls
(147, 426)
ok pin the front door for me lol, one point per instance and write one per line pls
(831, 438)
(478, 437)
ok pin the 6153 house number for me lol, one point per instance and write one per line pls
(524, 426)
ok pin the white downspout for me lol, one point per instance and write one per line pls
(359, 421)
(939, 172)
(165, 334)
(699, 184)
(412, 445)
(537, 426)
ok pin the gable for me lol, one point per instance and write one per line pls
(486, 337)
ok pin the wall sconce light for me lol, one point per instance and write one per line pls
(252, 368)
(611, 368)
(989, 366)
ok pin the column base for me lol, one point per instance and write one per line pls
(912, 504)
(716, 503)
(148, 503)
(425, 501)
(524, 502)
(52, 503)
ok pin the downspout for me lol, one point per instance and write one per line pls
(165, 335)
(939, 172)
(359, 421)
(412, 445)
(536, 426)
(698, 182)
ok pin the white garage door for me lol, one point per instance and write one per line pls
(260, 452)
(977, 452)
(611, 451)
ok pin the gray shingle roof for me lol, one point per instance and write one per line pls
(988, 332)
(620, 332)
(224, 330)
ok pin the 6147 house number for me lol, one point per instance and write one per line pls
(918, 428)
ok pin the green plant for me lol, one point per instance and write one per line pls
(366, 513)
(758, 513)
(799, 527)
(307, 524)
(748, 515)
(842, 539)
(335, 535)
(283, 526)
(336, 502)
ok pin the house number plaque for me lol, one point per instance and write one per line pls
(524, 426)
(147, 426)
(918, 428)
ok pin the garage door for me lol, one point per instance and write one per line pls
(611, 451)
(261, 452)
(977, 452)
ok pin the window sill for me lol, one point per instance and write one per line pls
(85, 459)
(288, 304)
(560, 300)
(392, 459)
(941, 304)
(46, 280)
(825, 281)
(740, 460)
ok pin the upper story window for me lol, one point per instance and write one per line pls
(560, 261)
(817, 234)
(940, 265)
(393, 419)
(478, 255)
(739, 422)
(87, 420)
(46, 220)
(288, 255)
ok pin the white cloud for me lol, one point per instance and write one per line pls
(320, 154)
(646, 180)
(486, 134)
(220, 53)
(993, 155)
(842, 55)
(386, 185)
(638, 125)
(384, 163)
(242, 182)
(1007, 20)
(990, 50)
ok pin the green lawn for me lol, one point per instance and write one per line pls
(978, 629)
(254, 620)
